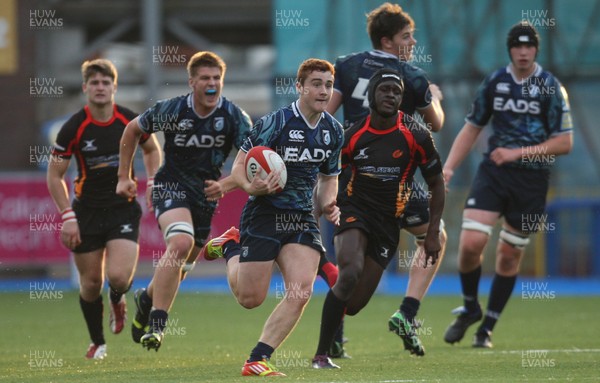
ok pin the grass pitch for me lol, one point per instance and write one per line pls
(209, 337)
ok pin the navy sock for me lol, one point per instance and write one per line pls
(331, 318)
(339, 334)
(92, 313)
(158, 320)
(470, 286)
(502, 288)
(260, 352)
(145, 303)
(410, 307)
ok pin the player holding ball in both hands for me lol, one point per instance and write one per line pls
(309, 140)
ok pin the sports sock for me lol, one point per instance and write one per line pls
(145, 302)
(260, 352)
(158, 320)
(410, 307)
(327, 270)
(92, 313)
(115, 296)
(470, 285)
(333, 312)
(500, 292)
(339, 334)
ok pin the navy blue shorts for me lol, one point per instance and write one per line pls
(518, 194)
(383, 232)
(100, 225)
(265, 229)
(172, 195)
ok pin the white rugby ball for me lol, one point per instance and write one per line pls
(263, 160)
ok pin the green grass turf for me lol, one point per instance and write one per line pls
(211, 336)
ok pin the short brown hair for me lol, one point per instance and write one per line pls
(385, 21)
(102, 66)
(310, 65)
(208, 59)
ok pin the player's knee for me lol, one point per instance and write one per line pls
(250, 301)
(354, 308)
(180, 238)
(347, 281)
(91, 285)
(474, 237)
(179, 246)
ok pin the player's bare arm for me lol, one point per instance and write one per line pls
(326, 198)
(152, 156)
(57, 168)
(433, 115)
(462, 145)
(554, 146)
(129, 141)
(432, 244)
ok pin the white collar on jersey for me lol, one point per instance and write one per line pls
(380, 53)
(298, 113)
(190, 104)
(536, 72)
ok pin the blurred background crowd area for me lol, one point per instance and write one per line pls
(459, 42)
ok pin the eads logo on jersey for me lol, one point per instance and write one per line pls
(351, 219)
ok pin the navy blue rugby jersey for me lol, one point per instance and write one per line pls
(306, 151)
(352, 74)
(195, 147)
(523, 112)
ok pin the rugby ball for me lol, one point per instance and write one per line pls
(261, 161)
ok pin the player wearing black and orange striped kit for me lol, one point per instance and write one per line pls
(383, 150)
(101, 228)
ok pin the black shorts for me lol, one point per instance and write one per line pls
(201, 215)
(383, 232)
(97, 226)
(517, 194)
(416, 212)
(265, 229)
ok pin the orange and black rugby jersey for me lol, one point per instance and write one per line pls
(95, 146)
(383, 163)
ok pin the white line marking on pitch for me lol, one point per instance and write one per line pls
(575, 350)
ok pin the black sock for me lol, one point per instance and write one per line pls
(158, 320)
(470, 286)
(410, 307)
(333, 312)
(145, 303)
(339, 334)
(115, 296)
(92, 313)
(502, 288)
(260, 352)
(231, 249)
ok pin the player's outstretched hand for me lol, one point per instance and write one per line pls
(126, 188)
(213, 190)
(432, 248)
(332, 212)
